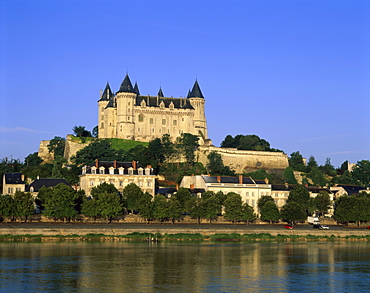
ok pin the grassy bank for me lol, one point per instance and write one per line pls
(184, 237)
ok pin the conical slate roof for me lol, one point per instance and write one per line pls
(126, 86)
(107, 94)
(160, 93)
(196, 92)
(136, 89)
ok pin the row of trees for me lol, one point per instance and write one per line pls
(327, 175)
(247, 142)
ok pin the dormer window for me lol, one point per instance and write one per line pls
(140, 171)
(111, 170)
(101, 170)
(143, 104)
(130, 171)
(120, 170)
(161, 105)
(171, 106)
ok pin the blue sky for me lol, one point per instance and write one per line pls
(296, 73)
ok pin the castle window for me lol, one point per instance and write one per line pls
(121, 183)
(164, 121)
(160, 130)
(152, 129)
(149, 184)
(129, 105)
(151, 121)
(174, 122)
(140, 183)
(91, 182)
(32, 189)
(102, 125)
(141, 118)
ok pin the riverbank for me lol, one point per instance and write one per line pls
(124, 232)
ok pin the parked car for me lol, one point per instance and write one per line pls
(288, 227)
(322, 227)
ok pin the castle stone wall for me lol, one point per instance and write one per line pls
(44, 153)
(72, 147)
(245, 161)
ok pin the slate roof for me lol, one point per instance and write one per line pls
(108, 164)
(47, 182)
(150, 101)
(231, 180)
(107, 93)
(13, 178)
(196, 92)
(352, 189)
(126, 86)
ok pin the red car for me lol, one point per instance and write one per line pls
(288, 227)
(368, 227)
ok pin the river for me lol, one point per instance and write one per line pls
(184, 267)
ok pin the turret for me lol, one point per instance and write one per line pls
(197, 100)
(106, 98)
(125, 100)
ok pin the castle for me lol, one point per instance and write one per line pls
(129, 115)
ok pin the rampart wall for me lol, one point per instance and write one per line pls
(245, 161)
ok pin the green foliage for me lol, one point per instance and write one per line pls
(43, 171)
(270, 212)
(33, 160)
(216, 166)
(56, 146)
(317, 177)
(300, 195)
(207, 194)
(312, 163)
(160, 208)
(187, 144)
(293, 211)
(211, 208)
(23, 205)
(145, 206)
(263, 200)
(7, 206)
(105, 187)
(175, 209)
(296, 162)
(328, 168)
(248, 213)
(260, 174)
(361, 172)
(322, 202)
(80, 131)
(183, 195)
(60, 202)
(247, 142)
(233, 208)
(98, 149)
(132, 194)
(352, 209)
(95, 131)
(289, 175)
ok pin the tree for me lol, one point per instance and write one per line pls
(233, 208)
(317, 177)
(270, 212)
(195, 207)
(312, 163)
(211, 208)
(132, 194)
(33, 160)
(160, 208)
(60, 202)
(264, 199)
(105, 187)
(175, 209)
(228, 142)
(216, 166)
(300, 195)
(293, 211)
(187, 144)
(296, 162)
(322, 202)
(361, 172)
(183, 195)
(207, 194)
(248, 213)
(109, 206)
(352, 209)
(145, 207)
(56, 146)
(80, 131)
(99, 149)
(328, 168)
(24, 205)
(7, 207)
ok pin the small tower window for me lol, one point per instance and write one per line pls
(141, 118)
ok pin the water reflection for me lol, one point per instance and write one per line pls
(184, 267)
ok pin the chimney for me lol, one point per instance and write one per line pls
(219, 179)
(191, 186)
(240, 179)
(149, 166)
(266, 180)
(115, 164)
(177, 186)
(134, 165)
(22, 177)
(97, 163)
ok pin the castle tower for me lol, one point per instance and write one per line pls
(125, 102)
(106, 98)
(197, 101)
